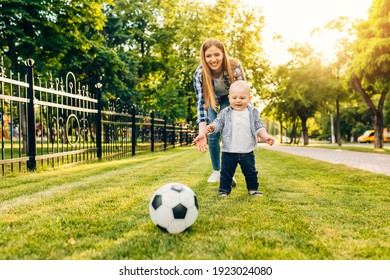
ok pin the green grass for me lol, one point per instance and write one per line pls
(310, 210)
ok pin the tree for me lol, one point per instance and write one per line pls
(143, 52)
(191, 29)
(370, 69)
(130, 35)
(47, 30)
(245, 25)
(280, 105)
(303, 87)
(339, 66)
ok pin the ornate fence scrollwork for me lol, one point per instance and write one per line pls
(59, 121)
(72, 129)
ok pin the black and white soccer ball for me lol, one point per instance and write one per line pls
(173, 207)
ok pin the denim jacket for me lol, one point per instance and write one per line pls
(223, 123)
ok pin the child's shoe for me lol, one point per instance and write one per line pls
(255, 193)
(223, 194)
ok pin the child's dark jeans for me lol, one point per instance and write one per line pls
(248, 168)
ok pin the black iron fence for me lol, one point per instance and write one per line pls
(57, 122)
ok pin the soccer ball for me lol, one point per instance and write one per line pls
(173, 207)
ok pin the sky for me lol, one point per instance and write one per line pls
(294, 20)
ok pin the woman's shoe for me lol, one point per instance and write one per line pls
(214, 178)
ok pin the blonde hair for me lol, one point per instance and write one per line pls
(241, 86)
(227, 65)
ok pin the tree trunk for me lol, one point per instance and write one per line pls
(305, 133)
(338, 128)
(294, 133)
(281, 131)
(377, 113)
(378, 127)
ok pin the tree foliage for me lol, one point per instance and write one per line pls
(309, 88)
(370, 71)
(48, 31)
(301, 90)
(144, 52)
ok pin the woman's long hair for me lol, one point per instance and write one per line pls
(227, 65)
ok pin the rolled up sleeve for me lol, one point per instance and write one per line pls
(200, 104)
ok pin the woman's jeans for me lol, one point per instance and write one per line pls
(229, 166)
(214, 138)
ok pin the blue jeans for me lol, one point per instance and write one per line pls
(214, 139)
(248, 168)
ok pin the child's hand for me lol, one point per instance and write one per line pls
(270, 141)
(209, 128)
(265, 137)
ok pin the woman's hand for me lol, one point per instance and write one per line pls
(201, 142)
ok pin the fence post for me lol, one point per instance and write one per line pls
(98, 87)
(133, 130)
(165, 133)
(173, 135)
(152, 131)
(31, 145)
(181, 134)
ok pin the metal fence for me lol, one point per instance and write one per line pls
(56, 122)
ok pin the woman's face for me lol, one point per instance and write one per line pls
(214, 58)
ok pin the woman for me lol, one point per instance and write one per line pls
(212, 80)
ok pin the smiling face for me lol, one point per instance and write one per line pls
(239, 95)
(214, 59)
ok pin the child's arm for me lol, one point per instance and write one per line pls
(209, 129)
(266, 137)
(216, 126)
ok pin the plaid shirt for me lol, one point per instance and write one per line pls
(198, 86)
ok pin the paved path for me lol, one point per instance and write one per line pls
(376, 163)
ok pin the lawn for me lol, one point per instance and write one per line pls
(310, 210)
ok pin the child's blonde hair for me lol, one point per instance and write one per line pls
(241, 85)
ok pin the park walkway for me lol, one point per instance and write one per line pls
(376, 163)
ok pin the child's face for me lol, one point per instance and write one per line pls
(239, 99)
